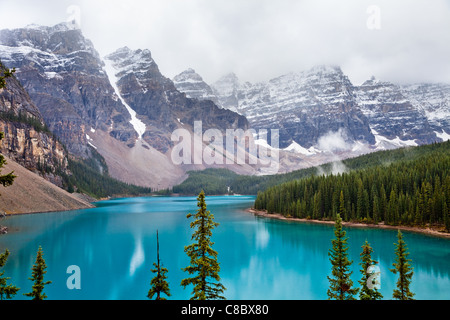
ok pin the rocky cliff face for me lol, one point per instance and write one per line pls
(228, 90)
(391, 114)
(433, 101)
(193, 85)
(157, 102)
(64, 76)
(312, 105)
(304, 106)
(26, 139)
(124, 108)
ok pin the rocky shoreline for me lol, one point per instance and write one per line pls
(425, 230)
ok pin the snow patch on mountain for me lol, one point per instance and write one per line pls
(443, 135)
(192, 84)
(383, 143)
(296, 148)
(89, 141)
(137, 124)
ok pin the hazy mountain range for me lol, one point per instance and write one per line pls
(320, 102)
(121, 107)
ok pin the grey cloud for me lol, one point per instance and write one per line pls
(261, 39)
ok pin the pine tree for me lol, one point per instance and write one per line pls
(402, 266)
(5, 180)
(360, 205)
(368, 291)
(6, 291)
(376, 209)
(340, 282)
(203, 258)
(6, 74)
(38, 277)
(342, 210)
(446, 217)
(316, 206)
(159, 284)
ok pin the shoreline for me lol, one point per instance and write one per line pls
(426, 230)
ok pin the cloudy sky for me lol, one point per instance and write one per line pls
(399, 41)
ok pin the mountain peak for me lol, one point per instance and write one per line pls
(325, 68)
(373, 81)
(60, 27)
(229, 77)
(127, 60)
(228, 82)
(61, 39)
(189, 70)
(188, 75)
(193, 85)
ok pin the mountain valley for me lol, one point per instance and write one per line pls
(120, 112)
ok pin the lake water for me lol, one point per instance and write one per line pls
(114, 245)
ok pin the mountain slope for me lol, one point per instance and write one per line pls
(433, 100)
(160, 110)
(304, 106)
(126, 110)
(27, 140)
(193, 85)
(63, 73)
(413, 191)
(157, 102)
(320, 108)
(391, 114)
(31, 193)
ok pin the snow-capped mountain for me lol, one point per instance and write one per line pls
(304, 106)
(391, 114)
(63, 73)
(322, 102)
(157, 102)
(66, 79)
(227, 90)
(432, 100)
(120, 106)
(193, 85)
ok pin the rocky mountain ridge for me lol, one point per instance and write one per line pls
(319, 104)
(157, 102)
(121, 106)
(63, 74)
(26, 139)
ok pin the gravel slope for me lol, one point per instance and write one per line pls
(31, 193)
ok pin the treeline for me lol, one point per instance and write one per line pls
(212, 181)
(404, 192)
(25, 118)
(86, 179)
(223, 181)
(217, 181)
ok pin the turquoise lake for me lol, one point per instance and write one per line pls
(114, 245)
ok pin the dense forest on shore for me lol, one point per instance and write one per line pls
(90, 176)
(217, 181)
(413, 189)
